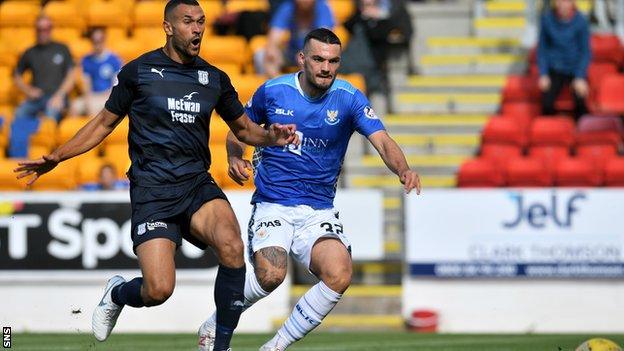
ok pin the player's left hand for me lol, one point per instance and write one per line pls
(410, 180)
(283, 134)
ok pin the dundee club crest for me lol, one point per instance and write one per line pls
(203, 77)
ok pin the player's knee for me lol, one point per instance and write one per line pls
(231, 252)
(270, 279)
(339, 281)
(157, 293)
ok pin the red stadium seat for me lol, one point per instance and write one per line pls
(500, 153)
(610, 97)
(614, 172)
(521, 88)
(597, 71)
(606, 48)
(598, 154)
(479, 173)
(549, 155)
(577, 172)
(552, 131)
(600, 130)
(504, 131)
(522, 109)
(527, 172)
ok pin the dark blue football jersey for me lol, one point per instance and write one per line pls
(169, 105)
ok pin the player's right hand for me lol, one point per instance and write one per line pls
(284, 134)
(238, 169)
(36, 167)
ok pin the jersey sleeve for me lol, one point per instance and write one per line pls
(256, 107)
(24, 62)
(283, 16)
(124, 90)
(228, 106)
(366, 122)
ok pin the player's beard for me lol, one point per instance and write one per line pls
(320, 87)
(185, 47)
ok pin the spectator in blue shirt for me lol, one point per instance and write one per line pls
(99, 70)
(107, 180)
(563, 55)
(296, 17)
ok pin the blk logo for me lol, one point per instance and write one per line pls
(539, 214)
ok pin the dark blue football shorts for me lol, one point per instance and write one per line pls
(166, 211)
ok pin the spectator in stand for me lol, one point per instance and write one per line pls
(378, 28)
(297, 17)
(51, 66)
(99, 70)
(107, 180)
(563, 55)
(52, 71)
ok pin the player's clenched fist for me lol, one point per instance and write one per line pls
(238, 169)
(283, 134)
(410, 180)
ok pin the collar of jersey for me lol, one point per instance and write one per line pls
(161, 51)
(296, 77)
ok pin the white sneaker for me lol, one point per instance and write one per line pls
(106, 312)
(273, 344)
(206, 335)
(270, 348)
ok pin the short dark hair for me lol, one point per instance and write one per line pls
(323, 35)
(172, 4)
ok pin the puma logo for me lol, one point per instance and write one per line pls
(160, 73)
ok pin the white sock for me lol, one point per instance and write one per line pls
(253, 293)
(308, 313)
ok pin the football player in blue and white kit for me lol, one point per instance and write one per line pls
(295, 185)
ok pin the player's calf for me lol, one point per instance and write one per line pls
(270, 266)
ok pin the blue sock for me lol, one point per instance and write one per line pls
(128, 293)
(229, 298)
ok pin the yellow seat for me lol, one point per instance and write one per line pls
(218, 130)
(69, 127)
(343, 34)
(115, 33)
(62, 177)
(88, 170)
(225, 49)
(66, 35)
(231, 69)
(8, 180)
(8, 55)
(6, 85)
(7, 114)
(218, 162)
(342, 9)
(246, 85)
(79, 48)
(246, 5)
(212, 9)
(45, 136)
(119, 136)
(17, 39)
(128, 49)
(102, 14)
(149, 13)
(150, 37)
(356, 79)
(64, 14)
(18, 14)
(37, 151)
(117, 155)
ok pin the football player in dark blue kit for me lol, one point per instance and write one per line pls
(169, 95)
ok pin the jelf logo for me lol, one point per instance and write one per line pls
(539, 214)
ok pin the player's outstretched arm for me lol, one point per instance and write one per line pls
(250, 133)
(393, 157)
(237, 166)
(90, 135)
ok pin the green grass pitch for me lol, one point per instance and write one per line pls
(389, 341)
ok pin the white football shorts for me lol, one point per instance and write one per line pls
(293, 228)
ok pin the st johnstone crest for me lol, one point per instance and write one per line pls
(332, 117)
(203, 77)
